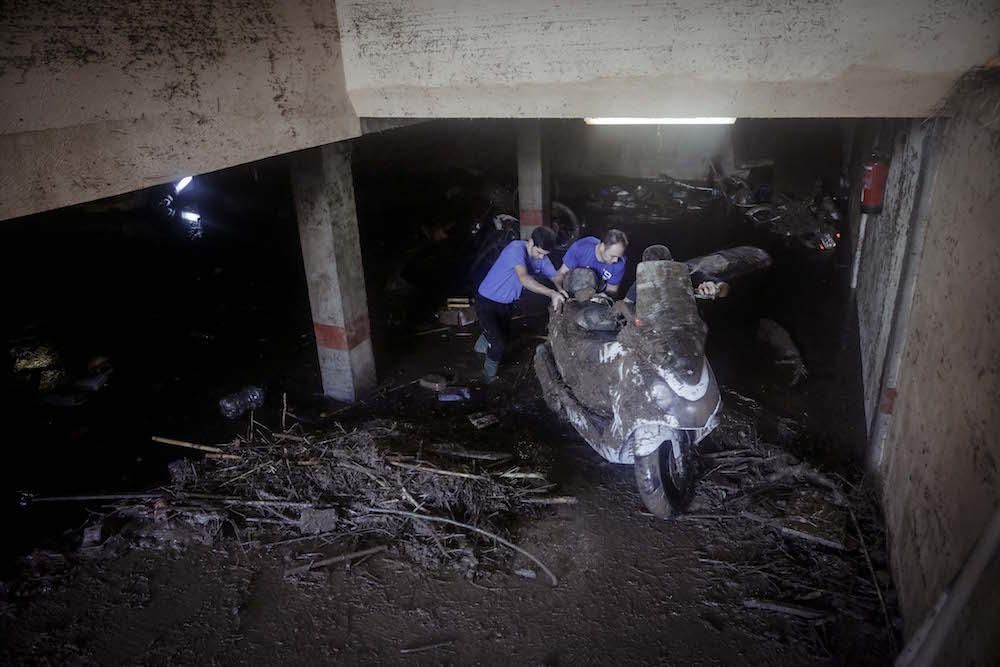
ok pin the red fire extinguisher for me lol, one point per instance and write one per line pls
(873, 184)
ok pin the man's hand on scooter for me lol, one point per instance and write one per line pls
(558, 298)
(711, 290)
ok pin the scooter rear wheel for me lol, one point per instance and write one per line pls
(666, 484)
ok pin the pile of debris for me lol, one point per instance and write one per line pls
(653, 199)
(796, 543)
(350, 493)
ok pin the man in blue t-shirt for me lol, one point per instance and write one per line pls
(605, 256)
(514, 270)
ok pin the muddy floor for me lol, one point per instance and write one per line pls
(632, 589)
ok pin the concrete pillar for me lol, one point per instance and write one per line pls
(328, 229)
(532, 177)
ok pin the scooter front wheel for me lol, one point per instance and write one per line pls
(665, 480)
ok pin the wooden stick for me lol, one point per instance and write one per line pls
(809, 537)
(427, 647)
(471, 454)
(289, 436)
(245, 474)
(284, 409)
(336, 559)
(871, 571)
(552, 500)
(783, 608)
(96, 496)
(430, 331)
(520, 475)
(188, 445)
(435, 471)
(791, 532)
(496, 538)
(231, 500)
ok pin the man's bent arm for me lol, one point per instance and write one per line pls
(560, 276)
(531, 284)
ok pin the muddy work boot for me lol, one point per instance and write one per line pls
(490, 369)
(482, 345)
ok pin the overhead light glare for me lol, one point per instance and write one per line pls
(190, 216)
(692, 120)
(181, 184)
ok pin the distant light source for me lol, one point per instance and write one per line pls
(181, 184)
(693, 120)
(190, 216)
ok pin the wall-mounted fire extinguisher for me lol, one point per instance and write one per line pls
(872, 196)
(873, 184)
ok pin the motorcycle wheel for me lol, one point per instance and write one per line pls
(666, 485)
(565, 224)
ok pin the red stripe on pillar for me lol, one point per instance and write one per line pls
(531, 217)
(334, 337)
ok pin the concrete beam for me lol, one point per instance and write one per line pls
(746, 58)
(328, 229)
(102, 98)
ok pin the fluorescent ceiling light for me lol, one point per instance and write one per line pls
(181, 184)
(693, 120)
(190, 216)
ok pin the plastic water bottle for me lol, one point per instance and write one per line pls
(235, 405)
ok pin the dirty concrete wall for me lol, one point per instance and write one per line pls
(103, 97)
(747, 58)
(884, 247)
(641, 151)
(940, 470)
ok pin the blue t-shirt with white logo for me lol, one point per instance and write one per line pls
(583, 253)
(501, 284)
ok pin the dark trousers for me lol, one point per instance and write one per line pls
(494, 319)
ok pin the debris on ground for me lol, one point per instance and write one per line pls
(333, 496)
(653, 199)
(38, 365)
(434, 382)
(454, 393)
(235, 405)
(482, 420)
(776, 340)
(794, 543)
(458, 312)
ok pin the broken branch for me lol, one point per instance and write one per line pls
(486, 533)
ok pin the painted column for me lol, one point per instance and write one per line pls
(532, 177)
(328, 230)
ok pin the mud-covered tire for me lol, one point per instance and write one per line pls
(665, 487)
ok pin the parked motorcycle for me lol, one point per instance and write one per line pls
(639, 392)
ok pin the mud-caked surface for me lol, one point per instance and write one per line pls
(725, 585)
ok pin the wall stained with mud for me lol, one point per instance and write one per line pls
(941, 475)
(104, 97)
(884, 249)
(747, 58)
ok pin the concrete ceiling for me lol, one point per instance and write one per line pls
(746, 58)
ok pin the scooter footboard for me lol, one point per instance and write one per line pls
(592, 427)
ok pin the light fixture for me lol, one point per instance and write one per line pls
(692, 120)
(181, 184)
(190, 216)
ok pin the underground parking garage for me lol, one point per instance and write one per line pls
(247, 415)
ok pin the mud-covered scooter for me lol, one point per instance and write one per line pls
(639, 391)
